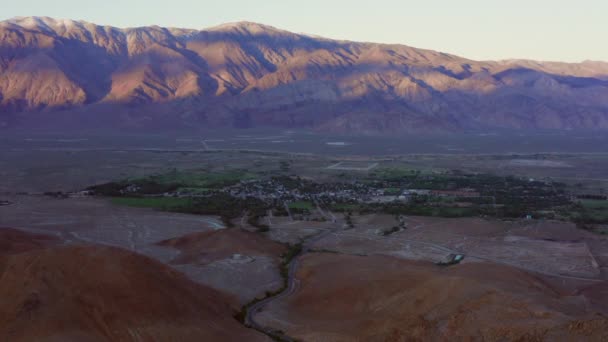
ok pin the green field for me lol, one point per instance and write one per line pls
(300, 205)
(589, 211)
(194, 191)
(193, 182)
(392, 191)
(204, 180)
(594, 204)
(340, 207)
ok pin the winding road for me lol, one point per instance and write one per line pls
(292, 283)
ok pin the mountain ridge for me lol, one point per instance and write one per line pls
(247, 74)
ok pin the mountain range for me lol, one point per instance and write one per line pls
(65, 72)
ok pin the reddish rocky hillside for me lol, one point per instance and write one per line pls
(248, 74)
(379, 298)
(88, 293)
(14, 241)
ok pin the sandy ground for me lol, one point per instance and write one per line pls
(286, 230)
(237, 261)
(91, 220)
(550, 248)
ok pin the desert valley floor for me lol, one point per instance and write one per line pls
(527, 279)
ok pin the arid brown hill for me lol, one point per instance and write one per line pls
(90, 293)
(247, 74)
(14, 241)
(206, 247)
(380, 298)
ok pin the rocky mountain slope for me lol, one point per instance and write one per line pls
(247, 74)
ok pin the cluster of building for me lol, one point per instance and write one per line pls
(356, 192)
(274, 189)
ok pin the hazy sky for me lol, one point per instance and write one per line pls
(565, 30)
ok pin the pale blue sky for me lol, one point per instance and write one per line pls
(565, 30)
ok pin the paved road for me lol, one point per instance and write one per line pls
(292, 283)
(288, 211)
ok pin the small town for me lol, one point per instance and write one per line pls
(448, 195)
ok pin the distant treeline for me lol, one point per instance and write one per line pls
(593, 197)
